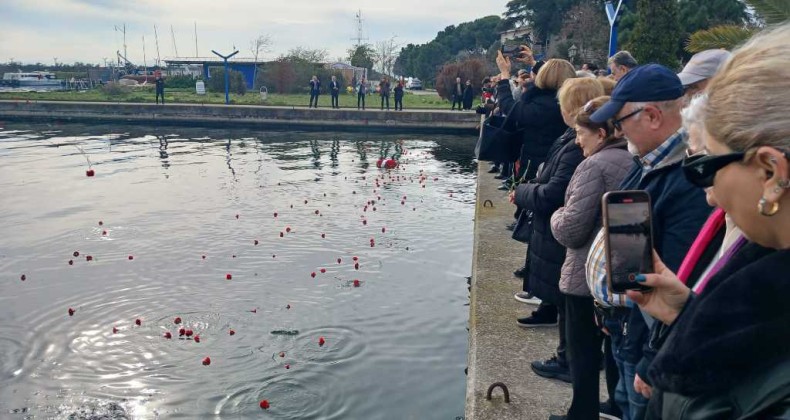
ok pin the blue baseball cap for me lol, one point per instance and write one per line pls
(648, 83)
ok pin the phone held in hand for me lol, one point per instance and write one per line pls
(513, 51)
(628, 238)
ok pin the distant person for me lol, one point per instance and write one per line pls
(362, 91)
(334, 90)
(457, 91)
(591, 67)
(699, 70)
(384, 91)
(469, 95)
(160, 88)
(315, 90)
(621, 63)
(399, 95)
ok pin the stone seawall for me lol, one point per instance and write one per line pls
(245, 116)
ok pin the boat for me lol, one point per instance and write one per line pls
(33, 79)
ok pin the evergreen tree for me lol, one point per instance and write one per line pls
(656, 33)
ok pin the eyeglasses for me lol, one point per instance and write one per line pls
(618, 123)
(700, 169)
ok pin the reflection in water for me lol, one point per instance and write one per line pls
(395, 346)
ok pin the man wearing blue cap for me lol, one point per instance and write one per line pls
(645, 108)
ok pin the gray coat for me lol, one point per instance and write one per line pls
(575, 225)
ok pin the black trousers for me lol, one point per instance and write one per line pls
(313, 100)
(387, 98)
(583, 339)
(457, 100)
(160, 93)
(335, 100)
(361, 100)
(398, 102)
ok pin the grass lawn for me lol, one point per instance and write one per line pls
(410, 101)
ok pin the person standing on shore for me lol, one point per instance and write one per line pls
(399, 95)
(362, 91)
(384, 91)
(315, 90)
(334, 90)
(160, 87)
(457, 93)
(469, 95)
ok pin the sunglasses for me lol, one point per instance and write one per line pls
(618, 123)
(701, 169)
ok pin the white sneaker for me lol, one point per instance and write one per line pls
(527, 297)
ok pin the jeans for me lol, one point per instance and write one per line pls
(160, 93)
(398, 103)
(335, 100)
(632, 403)
(313, 100)
(385, 98)
(361, 100)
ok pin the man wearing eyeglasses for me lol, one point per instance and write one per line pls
(645, 108)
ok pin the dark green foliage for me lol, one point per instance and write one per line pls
(425, 60)
(181, 82)
(656, 33)
(545, 16)
(217, 81)
(362, 56)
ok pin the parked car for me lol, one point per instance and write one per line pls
(414, 84)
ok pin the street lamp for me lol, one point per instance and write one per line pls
(227, 78)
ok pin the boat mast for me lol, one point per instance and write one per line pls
(145, 64)
(173, 37)
(196, 43)
(156, 38)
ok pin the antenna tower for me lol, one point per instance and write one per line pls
(360, 30)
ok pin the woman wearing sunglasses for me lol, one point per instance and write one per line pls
(726, 351)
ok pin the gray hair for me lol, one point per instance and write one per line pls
(584, 73)
(623, 58)
(694, 116)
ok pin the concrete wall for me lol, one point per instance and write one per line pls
(241, 116)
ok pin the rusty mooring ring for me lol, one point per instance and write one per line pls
(488, 202)
(504, 390)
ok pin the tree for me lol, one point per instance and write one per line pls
(585, 26)
(473, 69)
(259, 45)
(307, 55)
(771, 12)
(656, 33)
(545, 16)
(362, 55)
(385, 55)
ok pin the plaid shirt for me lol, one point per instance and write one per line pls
(596, 259)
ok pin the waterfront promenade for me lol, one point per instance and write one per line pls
(245, 116)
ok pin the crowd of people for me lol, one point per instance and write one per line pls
(385, 89)
(709, 335)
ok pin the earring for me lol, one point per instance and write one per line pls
(784, 183)
(761, 208)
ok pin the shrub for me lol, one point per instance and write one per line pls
(114, 89)
(217, 81)
(181, 82)
(473, 68)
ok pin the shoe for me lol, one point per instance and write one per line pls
(493, 170)
(502, 177)
(538, 319)
(552, 369)
(609, 411)
(504, 187)
(528, 298)
(511, 226)
(520, 273)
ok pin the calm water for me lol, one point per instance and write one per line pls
(395, 346)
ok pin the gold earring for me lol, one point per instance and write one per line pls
(761, 208)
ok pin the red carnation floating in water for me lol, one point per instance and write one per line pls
(321, 341)
(356, 266)
(71, 262)
(88, 258)
(23, 277)
(264, 404)
(255, 242)
(383, 230)
(282, 354)
(101, 223)
(312, 274)
(177, 320)
(275, 214)
(339, 260)
(131, 257)
(323, 270)
(197, 338)
(282, 234)
(323, 235)
(237, 216)
(356, 283)
(228, 276)
(104, 233)
(90, 172)
(189, 333)
(114, 330)
(287, 366)
(138, 322)
(355, 258)
(231, 332)
(167, 335)
(288, 229)
(76, 253)
(71, 312)
(206, 361)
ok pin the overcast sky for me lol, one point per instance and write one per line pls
(83, 30)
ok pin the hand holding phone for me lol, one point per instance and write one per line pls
(628, 239)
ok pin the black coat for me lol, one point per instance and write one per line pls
(543, 196)
(469, 96)
(724, 353)
(538, 114)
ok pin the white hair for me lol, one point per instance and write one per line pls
(585, 73)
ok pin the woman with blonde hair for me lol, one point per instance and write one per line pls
(726, 351)
(542, 197)
(606, 163)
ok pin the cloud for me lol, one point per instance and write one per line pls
(83, 30)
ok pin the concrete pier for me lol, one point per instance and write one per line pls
(242, 116)
(500, 350)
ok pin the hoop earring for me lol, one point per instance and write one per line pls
(761, 208)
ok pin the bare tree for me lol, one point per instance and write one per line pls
(585, 26)
(259, 45)
(386, 54)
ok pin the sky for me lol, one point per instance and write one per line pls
(84, 30)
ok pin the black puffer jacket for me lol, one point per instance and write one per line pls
(543, 196)
(538, 114)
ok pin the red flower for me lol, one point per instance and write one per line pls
(206, 361)
(264, 404)
(255, 242)
(167, 335)
(114, 330)
(138, 322)
(228, 276)
(88, 258)
(321, 341)
(23, 277)
(131, 257)
(356, 283)
(90, 172)
(197, 338)
(76, 253)
(189, 333)
(288, 229)
(71, 262)
(71, 312)
(182, 332)
(231, 332)
(323, 270)
(312, 274)
(177, 320)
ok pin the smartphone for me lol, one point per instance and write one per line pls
(514, 51)
(628, 238)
